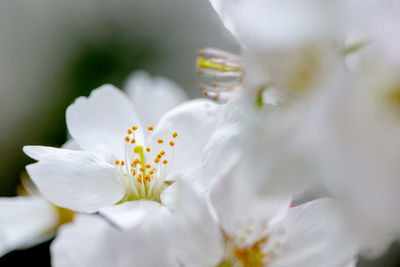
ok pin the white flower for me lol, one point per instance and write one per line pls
(25, 221)
(120, 159)
(145, 240)
(263, 231)
(287, 45)
(360, 138)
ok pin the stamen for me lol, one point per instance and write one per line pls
(160, 141)
(133, 141)
(117, 162)
(171, 143)
(162, 153)
(150, 128)
(127, 138)
(129, 131)
(122, 163)
(165, 161)
(174, 135)
(134, 128)
(148, 149)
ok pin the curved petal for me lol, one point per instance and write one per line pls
(24, 221)
(153, 96)
(76, 180)
(91, 241)
(199, 237)
(100, 122)
(314, 234)
(238, 209)
(222, 7)
(194, 121)
(130, 214)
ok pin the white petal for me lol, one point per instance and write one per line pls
(76, 180)
(25, 221)
(222, 7)
(100, 122)
(153, 96)
(314, 234)
(91, 241)
(199, 237)
(194, 121)
(238, 209)
(129, 214)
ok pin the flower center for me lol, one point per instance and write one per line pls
(224, 69)
(143, 170)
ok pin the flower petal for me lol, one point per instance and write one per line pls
(76, 180)
(236, 207)
(129, 214)
(314, 234)
(24, 222)
(199, 238)
(100, 122)
(194, 121)
(91, 241)
(152, 97)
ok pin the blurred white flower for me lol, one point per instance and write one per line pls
(361, 142)
(120, 160)
(289, 46)
(263, 231)
(146, 239)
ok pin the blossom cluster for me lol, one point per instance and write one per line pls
(291, 161)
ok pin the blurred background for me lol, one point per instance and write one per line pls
(52, 51)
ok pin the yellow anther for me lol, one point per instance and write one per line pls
(174, 135)
(134, 172)
(165, 161)
(151, 172)
(209, 64)
(157, 160)
(134, 128)
(171, 143)
(133, 141)
(160, 141)
(127, 139)
(148, 166)
(117, 162)
(141, 169)
(148, 149)
(129, 131)
(159, 156)
(150, 128)
(147, 178)
(136, 161)
(122, 163)
(162, 153)
(139, 179)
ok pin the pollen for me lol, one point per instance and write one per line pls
(134, 128)
(141, 169)
(165, 161)
(130, 131)
(175, 134)
(127, 139)
(117, 162)
(148, 166)
(136, 161)
(148, 149)
(150, 128)
(157, 160)
(171, 143)
(160, 141)
(162, 153)
(133, 141)
(122, 163)
(159, 156)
